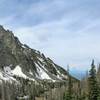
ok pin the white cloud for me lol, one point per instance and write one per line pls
(60, 44)
(66, 31)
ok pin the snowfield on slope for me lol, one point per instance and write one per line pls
(42, 73)
(18, 72)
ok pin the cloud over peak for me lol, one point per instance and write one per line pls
(65, 30)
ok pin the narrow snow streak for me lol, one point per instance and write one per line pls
(42, 73)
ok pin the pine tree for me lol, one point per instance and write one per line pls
(98, 79)
(68, 94)
(98, 71)
(79, 91)
(92, 83)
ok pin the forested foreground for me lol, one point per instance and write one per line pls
(86, 89)
(89, 87)
(29, 90)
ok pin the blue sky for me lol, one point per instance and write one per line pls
(68, 31)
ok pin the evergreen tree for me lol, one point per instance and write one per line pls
(98, 79)
(98, 71)
(92, 83)
(79, 91)
(68, 94)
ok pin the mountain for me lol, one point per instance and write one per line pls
(27, 74)
(17, 59)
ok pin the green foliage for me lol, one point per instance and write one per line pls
(65, 96)
(92, 83)
(69, 93)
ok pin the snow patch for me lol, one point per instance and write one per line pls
(18, 72)
(59, 77)
(42, 66)
(40, 59)
(7, 70)
(24, 97)
(30, 72)
(23, 46)
(4, 76)
(42, 73)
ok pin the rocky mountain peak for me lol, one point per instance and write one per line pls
(30, 62)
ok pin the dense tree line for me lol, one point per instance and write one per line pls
(88, 88)
(30, 90)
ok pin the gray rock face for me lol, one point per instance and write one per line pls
(14, 53)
